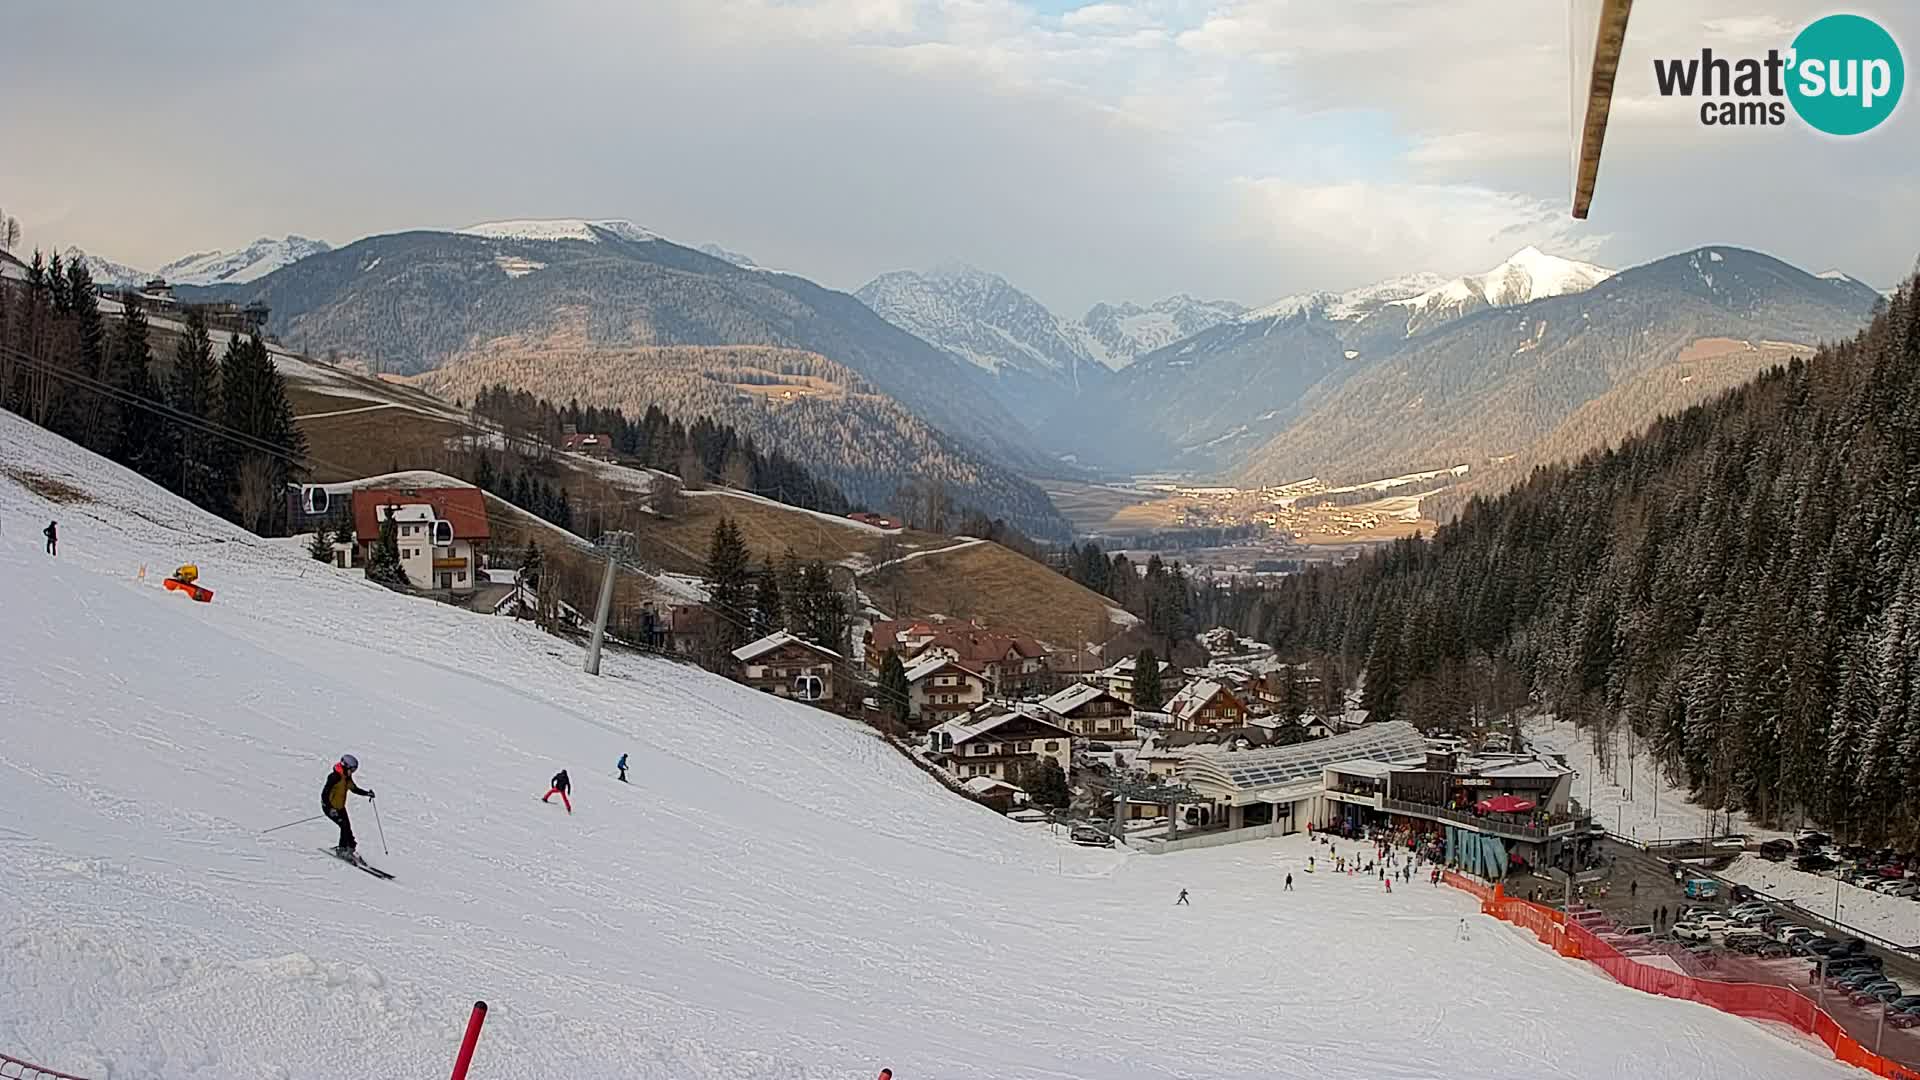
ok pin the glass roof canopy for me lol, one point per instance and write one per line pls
(1243, 772)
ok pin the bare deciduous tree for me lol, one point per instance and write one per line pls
(255, 492)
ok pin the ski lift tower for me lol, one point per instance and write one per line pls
(616, 546)
(1149, 789)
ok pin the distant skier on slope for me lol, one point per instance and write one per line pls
(622, 766)
(560, 786)
(52, 533)
(1183, 899)
(333, 801)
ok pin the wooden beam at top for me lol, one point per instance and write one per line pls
(1612, 37)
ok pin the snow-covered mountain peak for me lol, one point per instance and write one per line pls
(561, 229)
(1530, 274)
(256, 260)
(1348, 305)
(978, 316)
(106, 271)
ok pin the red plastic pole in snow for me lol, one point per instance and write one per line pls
(473, 1036)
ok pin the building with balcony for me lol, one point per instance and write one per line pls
(1091, 713)
(1285, 787)
(435, 529)
(998, 744)
(939, 690)
(790, 667)
(1495, 811)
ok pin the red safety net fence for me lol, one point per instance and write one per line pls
(1759, 1001)
(12, 1068)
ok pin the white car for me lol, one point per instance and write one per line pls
(1692, 931)
(1716, 923)
(1735, 933)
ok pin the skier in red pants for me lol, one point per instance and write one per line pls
(561, 786)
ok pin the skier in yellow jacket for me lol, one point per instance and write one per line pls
(333, 801)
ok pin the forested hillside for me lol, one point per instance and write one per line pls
(1740, 583)
(798, 404)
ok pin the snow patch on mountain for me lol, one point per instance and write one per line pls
(562, 229)
(1119, 334)
(980, 317)
(1531, 274)
(734, 257)
(106, 271)
(1349, 305)
(256, 260)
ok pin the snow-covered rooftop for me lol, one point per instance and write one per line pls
(753, 650)
(1071, 698)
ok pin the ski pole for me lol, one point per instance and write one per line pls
(377, 826)
(291, 824)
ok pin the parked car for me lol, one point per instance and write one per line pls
(1905, 1019)
(1814, 946)
(1855, 964)
(1752, 907)
(1714, 922)
(1748, 944)
(1776, 850)
(1770, 950)
(1884, 990)
(1688, 914)
(1692, 931)
(1813, 840)
(1814, 863)
(1090, 836)
(1742, 933)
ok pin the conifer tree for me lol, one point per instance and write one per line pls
(727, 584)
(895, 692)
(769, 609)
(383, 559)
(1148, 692)
(194, 389)
(321, 546)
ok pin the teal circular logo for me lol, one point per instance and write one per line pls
(1847, 74)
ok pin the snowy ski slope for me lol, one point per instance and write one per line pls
(776, 895)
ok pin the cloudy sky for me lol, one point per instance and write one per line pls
(1124, 149)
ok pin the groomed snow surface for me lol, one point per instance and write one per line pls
(777, 894)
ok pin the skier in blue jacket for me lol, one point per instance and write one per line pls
(622, 766)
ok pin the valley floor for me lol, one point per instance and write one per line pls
(777, 894)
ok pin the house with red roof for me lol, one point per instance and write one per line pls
(438, 531)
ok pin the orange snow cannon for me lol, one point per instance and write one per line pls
(187, 580)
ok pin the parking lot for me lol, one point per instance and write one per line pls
(1631, 885)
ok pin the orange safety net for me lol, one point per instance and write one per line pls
(1755, 1000)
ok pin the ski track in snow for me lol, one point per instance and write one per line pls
(777, 894)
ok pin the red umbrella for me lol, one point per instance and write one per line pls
(1505, 804)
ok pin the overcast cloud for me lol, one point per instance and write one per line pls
(1124, 149)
